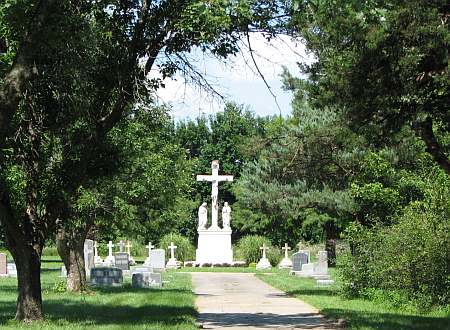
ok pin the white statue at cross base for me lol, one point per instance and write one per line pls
(214, 178)
(214, 243)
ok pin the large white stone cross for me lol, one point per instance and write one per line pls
(286, 248)
(121, 245)
(129, 246)
(110, 247)
(215, 178)
(264, 248)
(172, 250)
(149, 248)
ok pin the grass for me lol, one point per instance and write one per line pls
(226, 270)
(105, 308)
(359, 313)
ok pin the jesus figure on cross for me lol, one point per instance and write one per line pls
(215, 178)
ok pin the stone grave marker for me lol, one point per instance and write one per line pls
(108, 276)
(88, 256)
(64, 272)
(321, 266)
(11, 269)
(146, 280)
(3, 264)
(158, 259)
(172, 263)
(299, 259)
(122, 260)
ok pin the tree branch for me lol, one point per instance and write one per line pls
(425, 131)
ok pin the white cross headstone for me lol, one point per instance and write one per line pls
(264, 248)
(172, 263)
(149, 247)
(110, 260)
(286, 249)
(97, 259)
(286, 262)
(121, 246)
(263, 263)
(130, 258)
(215, 178)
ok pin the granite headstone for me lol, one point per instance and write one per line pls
(122, 260)
(158, 259)
(108, 276)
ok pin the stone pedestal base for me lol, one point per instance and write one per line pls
(98, 260)
(214, 246)
(110, 261)
(172, 263)
(285, 263)
(263, 263)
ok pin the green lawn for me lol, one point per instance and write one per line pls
(360, 314)
(105, 308)
(226, 270)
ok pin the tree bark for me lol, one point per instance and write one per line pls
(29, 301)
(425, 131)
(330, 242)
(71, 250)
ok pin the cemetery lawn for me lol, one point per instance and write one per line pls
(105, 308)
(359, 313)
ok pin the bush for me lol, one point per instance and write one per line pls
(185, 250)
(50, 251)
(410, 258)
(248, 249)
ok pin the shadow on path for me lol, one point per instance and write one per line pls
(264, 320)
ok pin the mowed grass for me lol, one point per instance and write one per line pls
(105, 308)
(226, 270)
(359, 313)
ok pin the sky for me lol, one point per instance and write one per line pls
(238, 80)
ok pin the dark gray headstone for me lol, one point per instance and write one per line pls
(3, 264)
(106, 276)
(122, 260)
(299, 259)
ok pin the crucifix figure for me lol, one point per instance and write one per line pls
(215, 178)
(264, 248)
(172, 250)
(121, 245)
(286, 248)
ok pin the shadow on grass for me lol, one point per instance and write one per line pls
(127, 288)
(309, 292)
(388, 321)
(79, 312)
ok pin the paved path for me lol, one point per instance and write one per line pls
(242, 301)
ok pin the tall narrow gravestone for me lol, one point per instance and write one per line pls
(88, 256)
(3, 264)
(214, 243)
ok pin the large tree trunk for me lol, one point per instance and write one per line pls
(330, 242)
(71, 250)
(29, 301)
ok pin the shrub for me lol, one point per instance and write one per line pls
(50, 251)
(410, 258)
(248, 248)
(185, 250)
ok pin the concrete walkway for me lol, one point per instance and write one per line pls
(242, 301)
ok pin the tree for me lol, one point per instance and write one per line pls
(70, 74)
(385, 64)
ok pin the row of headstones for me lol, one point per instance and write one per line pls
(300, 264)
(112, 270)
(7, 268)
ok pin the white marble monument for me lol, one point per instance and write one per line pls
(263, 263)
(97, 259)
(130, 257)
(286, 262)
(148, 261)
(214, 243)
(110, 260)
(172, 263)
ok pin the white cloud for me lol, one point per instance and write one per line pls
(238, 80)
